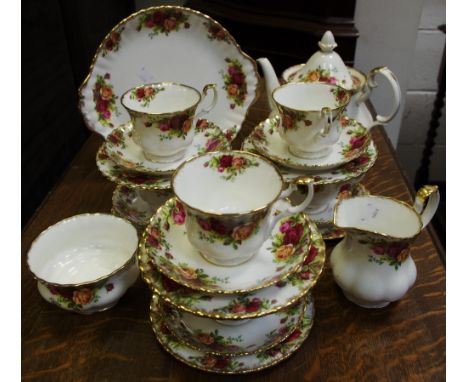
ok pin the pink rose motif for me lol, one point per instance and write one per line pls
(332, 80)
(178, 213)
(295, 334)
(226, 161)
(140, 93)
(158, 18)
(394, 249)
(218, 227)
(211, 144)
(106, 114)
(164, 126)
(204, 224)
(293, 235)
(253, 305)
(232, 71)
(311, 256)
(238, 78)
(149, 23)
(285, 227)
(379, 250)
(357, 142)
(102, 105)
(238, 308)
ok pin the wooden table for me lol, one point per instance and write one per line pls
(403, 342)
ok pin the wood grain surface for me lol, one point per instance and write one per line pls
(403, 342)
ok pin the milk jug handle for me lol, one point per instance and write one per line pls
(426, 203)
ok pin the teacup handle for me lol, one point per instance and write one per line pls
(426, 203)
(278, 213)
(371, 84)
(327, 112)
(212, 104)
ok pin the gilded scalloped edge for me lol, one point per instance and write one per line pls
(321, 254)
(183, 9)
(153, 325)
(262, 349)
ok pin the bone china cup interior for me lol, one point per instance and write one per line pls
(85, 262)
(162, 115)
(229, 198)
(308, 112)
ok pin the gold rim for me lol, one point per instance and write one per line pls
(354, 89)
(146, 275)
(154, 321)
(128, 184)
(262, 349)
(289, 84)
(163, 7)
(163, 173)
(304, 180)
(224, 291)
(84, 283)
(283, 162)
(230, 152)
(361, 230)
(159, 84)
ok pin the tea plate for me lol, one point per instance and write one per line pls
(124, 177)
(223, 364)
(168, 43)
(224, 338)
(348, 171)
(165, 241)
(125, 152)
(129, 204)
(233, 306)
(353, 141)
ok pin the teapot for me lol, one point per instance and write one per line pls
(326, 66)
(372, 264)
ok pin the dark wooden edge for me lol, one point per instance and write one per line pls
(409, 186)
(59, 180)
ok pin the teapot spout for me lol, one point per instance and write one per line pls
(271, 82)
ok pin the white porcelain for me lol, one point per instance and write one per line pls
(352, 142)
(128, 178)
(162, 118)
(123, 150)
(238, 337)
(222, 189)
(309, 114)
(168, 43)
(85, 263)
(223, 364)
(326, 66)
(372, 264)
(347, 172)
(239, 307)
(165, 241)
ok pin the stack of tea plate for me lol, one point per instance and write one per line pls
(144, 185)
(235, 319)
(335, 176)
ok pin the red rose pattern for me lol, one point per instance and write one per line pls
(104, 100)
(234, 83)
(163, 21)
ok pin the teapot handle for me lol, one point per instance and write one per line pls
(371, 84)
(426, 203)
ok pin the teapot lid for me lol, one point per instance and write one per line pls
(325, 65)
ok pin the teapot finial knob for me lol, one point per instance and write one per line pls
(327, 43)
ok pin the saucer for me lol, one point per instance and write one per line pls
(231, 364)
(165, 241)
(168, 43)
(126, 153)
(131, 179)
(234, 307)
(216, 337)
(353, 141)
(346, 172)
(129, 204)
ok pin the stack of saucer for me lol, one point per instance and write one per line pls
(243, 317)
(143, 185)
(335, 175)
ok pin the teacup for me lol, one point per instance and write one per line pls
(85, 263)
(162, 115)
(310, 115)
(233, 201)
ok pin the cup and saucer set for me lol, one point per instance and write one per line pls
(230, 242)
